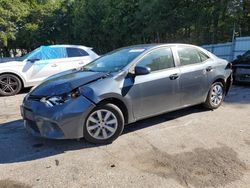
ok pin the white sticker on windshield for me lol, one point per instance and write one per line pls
(137, 50)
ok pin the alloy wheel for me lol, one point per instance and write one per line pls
(102, 124)
(216, 95)
(8, 84)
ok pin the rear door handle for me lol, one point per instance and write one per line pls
(209, 69)
(81, 63)
(174, 76)
(54, 65)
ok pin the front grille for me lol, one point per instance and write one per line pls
(244, 78)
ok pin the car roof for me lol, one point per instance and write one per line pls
(144, 46)
(155, 45)
(67, 45)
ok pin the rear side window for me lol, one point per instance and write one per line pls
(76, 52)
(189, 55)
(54, 53)
(203, 56)
(158, 59)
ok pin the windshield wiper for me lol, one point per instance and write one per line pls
(86, 69)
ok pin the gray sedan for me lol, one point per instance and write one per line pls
(124, 86)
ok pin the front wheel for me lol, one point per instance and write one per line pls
(104, 124)
(215, 96)
(9, 84)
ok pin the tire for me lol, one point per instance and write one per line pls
(214, 94)
(110, 122)
(9, 85)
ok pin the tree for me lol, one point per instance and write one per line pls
(11, 14)
(109, 24)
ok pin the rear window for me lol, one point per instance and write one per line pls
(76, 52)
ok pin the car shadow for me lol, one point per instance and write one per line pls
(19, 146)
(23, 91)
(157, 120)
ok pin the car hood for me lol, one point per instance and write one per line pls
(7, 59)
(9, 63)
(66, 82)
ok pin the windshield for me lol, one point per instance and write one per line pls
(115, 60)
(27, 55)
(246, 55)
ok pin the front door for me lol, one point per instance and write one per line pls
(47, 63)
(156, 92)
(40, 70)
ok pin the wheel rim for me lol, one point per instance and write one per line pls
(217, 95)
(8, 84)
(102, 124)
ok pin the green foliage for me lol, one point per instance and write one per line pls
(11, 14)
(109, 24)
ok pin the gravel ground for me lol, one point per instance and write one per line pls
(187, 148)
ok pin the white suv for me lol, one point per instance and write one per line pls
(41, 63)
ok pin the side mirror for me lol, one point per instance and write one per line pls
(33, 60)
(140, 70)
(239, 56)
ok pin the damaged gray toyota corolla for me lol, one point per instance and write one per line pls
(122, 87)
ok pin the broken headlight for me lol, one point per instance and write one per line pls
(60, 99)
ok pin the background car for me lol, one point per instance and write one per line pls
(241, 68)
(41, 63)
(122, 87)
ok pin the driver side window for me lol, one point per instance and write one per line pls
(158, 60)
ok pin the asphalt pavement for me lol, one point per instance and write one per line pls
(193, 147)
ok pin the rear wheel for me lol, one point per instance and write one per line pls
(215, 96)
(9, 84)
(104, 124)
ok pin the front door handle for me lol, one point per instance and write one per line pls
(174, 76)
(81, 63)
(209, 69)
(54, 65)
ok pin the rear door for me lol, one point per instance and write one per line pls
(156, 92)
(193, 75)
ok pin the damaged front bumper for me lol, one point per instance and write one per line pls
(64, 121)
